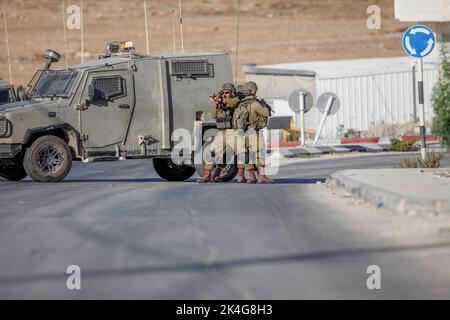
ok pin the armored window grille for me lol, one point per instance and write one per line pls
(190, 68)
(4, 128)
(110, 87)
(53, 82)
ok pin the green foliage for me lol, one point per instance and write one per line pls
(351, 133)
(294, 136)
(432, 160)
(441, 101)
(400, 146)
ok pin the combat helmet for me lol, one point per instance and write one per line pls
(229, 87)
(249, 88)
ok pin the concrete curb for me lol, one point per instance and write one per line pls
(317, 150)
(413, 202)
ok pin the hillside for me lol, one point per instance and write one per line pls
(271, 31)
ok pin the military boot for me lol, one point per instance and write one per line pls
(216, 176)
(262, 178)
(252, 176)
(206, 177)
(241, 176)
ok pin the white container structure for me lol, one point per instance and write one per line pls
(433, 13)
(420, 10)
(372, 91)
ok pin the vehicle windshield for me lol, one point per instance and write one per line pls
(52, 83)
(5, 95)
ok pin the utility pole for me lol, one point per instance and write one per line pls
(8, 53)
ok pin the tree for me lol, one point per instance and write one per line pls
(441, 101)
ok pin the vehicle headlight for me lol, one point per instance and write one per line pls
(5, 127)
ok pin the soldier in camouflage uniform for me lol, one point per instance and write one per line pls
(252, 116)
(226, 103)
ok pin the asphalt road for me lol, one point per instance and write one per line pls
(136, 236)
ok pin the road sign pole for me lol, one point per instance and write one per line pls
(302, 118)
(414, 83)
(324, 117)
(423, 145)
(300, 101)
(418, 42)
(296, 119)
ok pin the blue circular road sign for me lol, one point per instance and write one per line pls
(419, 41)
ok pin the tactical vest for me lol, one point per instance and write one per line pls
(241, 115)
(224, 119)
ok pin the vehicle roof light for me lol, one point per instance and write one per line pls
(119, 47)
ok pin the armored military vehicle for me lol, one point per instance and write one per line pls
(122, 105)
(7, 94)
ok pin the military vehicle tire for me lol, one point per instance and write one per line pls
(48, 159)
(12, 173)
(170, 171)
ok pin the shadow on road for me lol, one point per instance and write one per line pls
(134, 180)
(159, 180)
(146, 180)
(222, 265)
(300, 181)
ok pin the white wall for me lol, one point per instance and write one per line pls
(369, 98)
(281, 107)
(281, 86)
(376, 99)
(422, 10)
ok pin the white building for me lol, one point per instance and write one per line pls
(434, 13)
(420, 10)
(372, 91)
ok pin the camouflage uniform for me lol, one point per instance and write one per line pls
(224, 138)
(255, 144)
(255, 140)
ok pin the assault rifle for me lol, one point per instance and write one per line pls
(219, 104)
(266, 105)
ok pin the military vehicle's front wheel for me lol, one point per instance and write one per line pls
(12, 173)
(171, 171)
(48, 159)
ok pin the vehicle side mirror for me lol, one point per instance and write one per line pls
(21, 94)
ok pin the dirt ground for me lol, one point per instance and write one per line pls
(270, 31)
